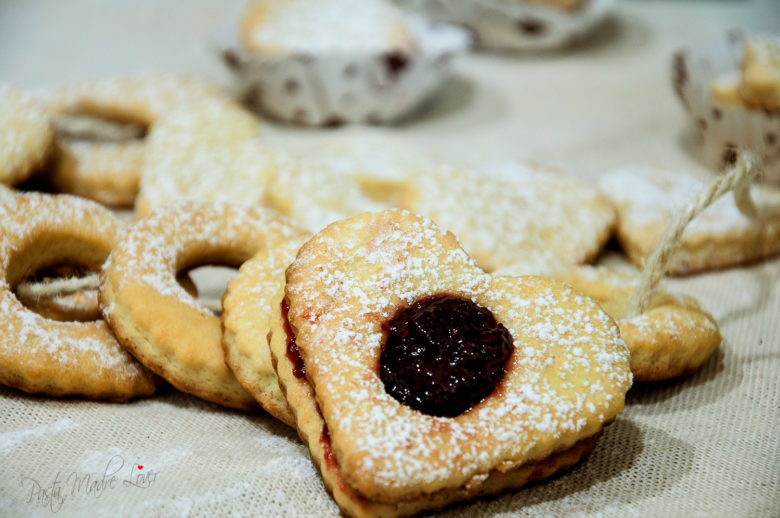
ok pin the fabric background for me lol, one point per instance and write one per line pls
(707, 445)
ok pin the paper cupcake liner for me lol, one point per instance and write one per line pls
(334, 89)
(724, 127)
(515, 25)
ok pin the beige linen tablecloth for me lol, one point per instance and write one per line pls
(708, 445)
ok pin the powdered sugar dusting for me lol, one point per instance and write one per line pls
(156, 248)
(10, 440)
(204, 151)
(647, 196)
(511, 213)
(568, 373)
(25, 133)
(30, 342)
(142, 98)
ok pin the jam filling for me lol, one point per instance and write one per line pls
(443, 354)
(299, 369)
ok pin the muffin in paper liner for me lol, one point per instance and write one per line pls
(338, 86)
(724, 124)
(518, 25)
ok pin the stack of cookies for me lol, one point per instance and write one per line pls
(434, 332)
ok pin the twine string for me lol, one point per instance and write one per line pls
(64, 286)
(738, 179)
(57, 287)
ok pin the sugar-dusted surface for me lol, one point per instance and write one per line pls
(647, 200)
(246, 316)
(760, 84)
(512, 213)
(700, 446)
(107, 172)
(344, 176)
(26, 134)
(567, 377)
(279, 27)
(316, 194)
(204, 151)
(155, 317)
(674, 336)
(505, 214)
(140, 98)
(42, 355)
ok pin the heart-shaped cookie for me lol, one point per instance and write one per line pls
(349, 294)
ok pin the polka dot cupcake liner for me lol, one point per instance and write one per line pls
(723, 127)
(339, 88)
(515, 25)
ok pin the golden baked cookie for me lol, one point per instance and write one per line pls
(314, 193)
(206, 151)
(673, 337)
(40, 355)
(382, 164)
(101, 125)
(721, 236)
(246, 324)
(140, 99)
(509, 213)
(400, 429)
(493, 210)
(26, 135)
(155, 318)
(106, 172)
(363, 171)
(313, 431)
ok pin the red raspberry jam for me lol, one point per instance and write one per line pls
(443, 354)
(299, 369)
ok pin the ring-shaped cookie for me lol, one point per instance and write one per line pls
(565, 380)
(154, 317)
(100, 155)
(39, 355)
(26, 135)
(246, 322)
(206, 151)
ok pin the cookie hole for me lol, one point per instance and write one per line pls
(96, 128)
(69, 292)
(62, 292)
(209, 283)
(443, 354)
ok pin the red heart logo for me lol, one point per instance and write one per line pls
(140, 467)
